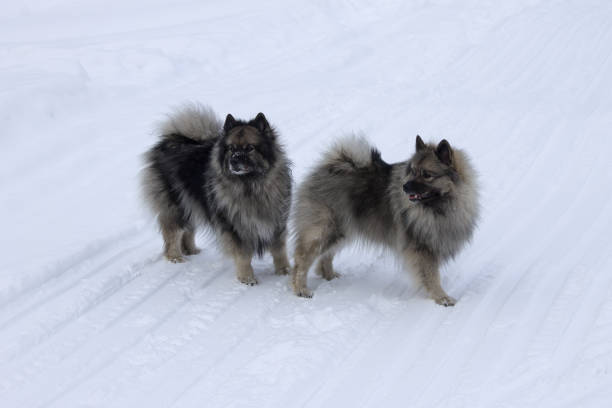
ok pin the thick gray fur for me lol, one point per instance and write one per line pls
(190, 182)
(353, 194)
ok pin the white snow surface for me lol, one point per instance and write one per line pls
(92, 316)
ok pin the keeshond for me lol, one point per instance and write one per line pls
(233, 178)
(424, 209)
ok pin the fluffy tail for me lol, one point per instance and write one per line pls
(192, 120)
(349, 153)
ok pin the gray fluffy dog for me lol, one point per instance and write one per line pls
(425, 209)
(232, 178)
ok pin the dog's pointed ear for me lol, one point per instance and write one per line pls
(445, 152)
(261, 123)
(420, 144)
(230, 122)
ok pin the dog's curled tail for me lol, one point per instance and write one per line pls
(192, 120)
(349, 153)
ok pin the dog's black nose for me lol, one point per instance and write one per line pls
(237, 157)
(408, 187)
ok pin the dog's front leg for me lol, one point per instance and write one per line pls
(427, 266)
(242, 258)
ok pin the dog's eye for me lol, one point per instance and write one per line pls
(426, 175)
(249, 148)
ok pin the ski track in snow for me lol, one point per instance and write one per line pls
(92, 315)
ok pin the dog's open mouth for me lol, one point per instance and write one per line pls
(415, 197)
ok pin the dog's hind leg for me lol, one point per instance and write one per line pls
(325, 268)
(173, 235)
(310, 244)
(278, 249)
(306, 251)
(188, 242)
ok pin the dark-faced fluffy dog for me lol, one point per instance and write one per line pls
(424, 209)
(233, 178)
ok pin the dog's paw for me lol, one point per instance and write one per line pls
(248, 280)
(175, 258)
(445, 301)
(326, 272)
(283, 270)
(330, 275)
(303, 292)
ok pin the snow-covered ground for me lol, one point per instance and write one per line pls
(90, 315)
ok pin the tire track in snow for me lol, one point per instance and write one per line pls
(321, 386)
(52, 324)
(224, 355)
(235, 360)
(76, 279)
(544, 294)
(26, 286)
(110, 319)
(540, 371)
(130, 340)
(210, 317)
(210, 311)
(559, 359)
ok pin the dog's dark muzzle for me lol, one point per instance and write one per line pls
(418, 191)
(239, 164)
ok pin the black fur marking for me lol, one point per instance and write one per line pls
(370, 188)
(438, 204)
(376, 158)
(181, 164)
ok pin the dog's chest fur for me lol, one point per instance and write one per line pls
(256, 210)
(443, 234)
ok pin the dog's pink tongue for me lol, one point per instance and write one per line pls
(413, 196)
